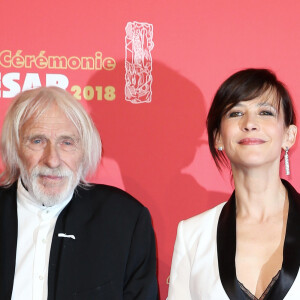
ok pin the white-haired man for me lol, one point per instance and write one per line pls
(61, 238)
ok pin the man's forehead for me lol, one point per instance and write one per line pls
(51, 120)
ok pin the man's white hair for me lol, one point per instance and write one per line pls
(31, 104)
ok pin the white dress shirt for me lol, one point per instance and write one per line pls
(35, 230)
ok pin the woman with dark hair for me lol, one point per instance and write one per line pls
(248, 247)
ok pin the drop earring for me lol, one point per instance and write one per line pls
(286, 161)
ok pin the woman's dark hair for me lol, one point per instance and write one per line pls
(245, 85)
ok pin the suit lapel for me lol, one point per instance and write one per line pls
(226, 245)
(8, 238)
(291, 250)
(55, 260)
(60, 260)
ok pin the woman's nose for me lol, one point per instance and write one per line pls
(249, 123)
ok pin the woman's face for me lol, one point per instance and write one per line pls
(253, 132)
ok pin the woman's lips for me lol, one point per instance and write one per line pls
(251, 141)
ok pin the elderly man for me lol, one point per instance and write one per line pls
(60, 237)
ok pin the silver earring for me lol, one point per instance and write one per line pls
(220, 148)
(286, 161)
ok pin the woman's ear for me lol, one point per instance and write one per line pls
(218, 141)
(290, 137)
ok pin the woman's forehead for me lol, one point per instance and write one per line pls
(269, 98)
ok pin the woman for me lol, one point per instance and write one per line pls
(248, 248)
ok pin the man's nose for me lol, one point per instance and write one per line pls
(249, 123)
(51, 156)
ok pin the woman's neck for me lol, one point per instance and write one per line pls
(260, 194)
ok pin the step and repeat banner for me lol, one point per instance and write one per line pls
(147, 72)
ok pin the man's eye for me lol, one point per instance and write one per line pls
(235, 114)
(68, 143)
(37, 141)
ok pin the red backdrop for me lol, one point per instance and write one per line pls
(156, 151)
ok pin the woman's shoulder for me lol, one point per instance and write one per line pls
(205, 216)
(203, 223)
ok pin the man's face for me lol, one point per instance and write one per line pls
(51, 156)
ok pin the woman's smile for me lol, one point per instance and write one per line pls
(251, 141)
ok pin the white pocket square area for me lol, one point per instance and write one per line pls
(64, 235)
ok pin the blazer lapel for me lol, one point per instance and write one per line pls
(61, 257)
(55, 262)
(226, 246)
(8, 238)
(291, 250)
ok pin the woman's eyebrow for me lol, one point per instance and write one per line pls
(239, 104)
(266, 104)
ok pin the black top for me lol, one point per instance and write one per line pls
(265, 294)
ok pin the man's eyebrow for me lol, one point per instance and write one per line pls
(66, 136)
(72, 137)
(43, 136)
(34, 135)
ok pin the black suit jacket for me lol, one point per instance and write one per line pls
(113, 256)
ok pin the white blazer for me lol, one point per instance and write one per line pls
(203, 264)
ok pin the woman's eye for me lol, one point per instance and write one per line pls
(266, 113)
(235, 114)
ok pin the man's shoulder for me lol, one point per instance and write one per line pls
(8, 202)
(106, 196)
(9, 188)
(100, 204)
(8, 191)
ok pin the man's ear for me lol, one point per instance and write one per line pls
(290, 137)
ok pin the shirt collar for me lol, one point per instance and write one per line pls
(26, 201)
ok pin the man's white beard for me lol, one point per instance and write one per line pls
(39, 194)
